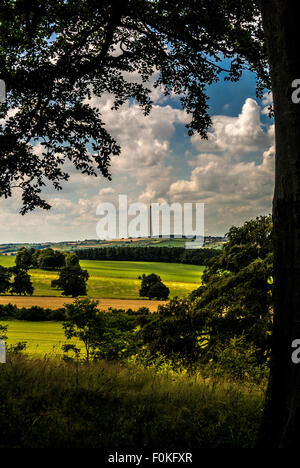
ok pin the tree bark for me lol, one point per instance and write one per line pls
(281, 421)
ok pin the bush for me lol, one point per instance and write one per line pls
(121, 339)
(171, 332)
(8, 311)
(238, 360)
(57, 315)
(17, 348)
(33, 314)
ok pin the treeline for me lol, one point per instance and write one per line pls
(41, 314)
(46, 259)
(32, 314)
(149, 254)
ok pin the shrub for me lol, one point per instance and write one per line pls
(8, 311)
(238, 360)
(57, 315)
(33, 314)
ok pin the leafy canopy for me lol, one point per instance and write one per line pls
(236, 295)
(85, 322)
(21, 284)
(72, 281)
(153, 287)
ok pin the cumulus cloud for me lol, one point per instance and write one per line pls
(242, 134)
(145, 142)
(232, 187)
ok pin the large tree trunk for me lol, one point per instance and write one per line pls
(281, 424)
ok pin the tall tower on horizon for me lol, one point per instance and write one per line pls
(150, 221)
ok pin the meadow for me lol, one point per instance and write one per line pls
(119, 279)
(47, 403)
(42, 338)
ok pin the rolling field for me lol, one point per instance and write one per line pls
(114, 283)
(119, 279)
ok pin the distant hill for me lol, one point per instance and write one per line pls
(69, 246)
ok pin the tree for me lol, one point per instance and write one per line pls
(71, 259)
(153, 287)
(72, 280)
(233, 306)
(35, 258)
(147, 282)
(235, 297)
(171, 331)
(85, 322)
(24, 258)
(5, 275)
(158, 291)
(21, 284)
(49, 259)
(281, 420)
(70, 45)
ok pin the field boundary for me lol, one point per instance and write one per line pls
(54, 302)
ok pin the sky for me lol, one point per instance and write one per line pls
(232, 172)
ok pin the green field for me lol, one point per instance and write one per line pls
(41, 337)
(119, 279)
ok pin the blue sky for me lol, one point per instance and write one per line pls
(232, 173)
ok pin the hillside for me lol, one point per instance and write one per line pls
(69, 246)
(119, 279)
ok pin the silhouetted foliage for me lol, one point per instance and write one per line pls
(49, 259)
(72, 281)
(22, 283)
(153, 288)
(5, 275)
(233, 301)
(149, 254)
(158, 291)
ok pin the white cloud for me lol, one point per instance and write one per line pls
(232, 185)
(106, 191)
(242, 134)
(145, 141)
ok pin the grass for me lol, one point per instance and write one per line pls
(51, 404)
(43, 338)
(119, 279)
